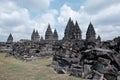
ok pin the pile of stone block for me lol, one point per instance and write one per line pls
(28, 51)
(94, 63)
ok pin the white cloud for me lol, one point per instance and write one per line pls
(108, 32)
(105, 18)
(82, 18)
(34, 5)
(106, 21)
(12, 17)
(15, 17)
(43, 20)
(95, 6)
(109, 15)
(65, 13)
(17, 21)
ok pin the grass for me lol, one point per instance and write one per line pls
(13, 69)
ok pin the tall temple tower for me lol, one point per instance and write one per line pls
(90, 34)
(35, 37)
(55, 35)
(78, 32)
(68, 30)
(48, 33)
(72, 31)
(99, 38)
(10, 38)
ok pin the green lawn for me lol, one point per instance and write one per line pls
(12, 69)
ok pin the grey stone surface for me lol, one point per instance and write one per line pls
(72, 31)
(10, 38)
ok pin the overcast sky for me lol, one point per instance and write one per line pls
(20, 17)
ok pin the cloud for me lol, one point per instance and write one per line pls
(108, 32)
(82, 18)
(16, 20)
(16, 17)
(95, 6)
(34, 5)
(103, 17)
(12, 17)
(108, 16)
(106, 20)
(43, 20)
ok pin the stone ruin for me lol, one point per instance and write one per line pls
(88, 58)
(28, 51)
(93, 63)
(35, 48)
(7, 46)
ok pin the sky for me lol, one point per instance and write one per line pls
(20, 17)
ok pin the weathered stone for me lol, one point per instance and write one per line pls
(10, 38)
(90, 34)
(55, 35)
(97, 76)
(35, 36)
(72, 31)
(48, 33)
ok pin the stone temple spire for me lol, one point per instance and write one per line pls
(48, 33)
(68, 34)
(41, 38)
(99, 38)
(90, 34)
(10, 38)
(55, 35)
(35, 36)
(78, 31)
(72, 31)
(68, 26)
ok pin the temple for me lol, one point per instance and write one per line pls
(90, 34)
(72, 31)
(10, 38)
(35, 37)
(90, 58)
(55, 35)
